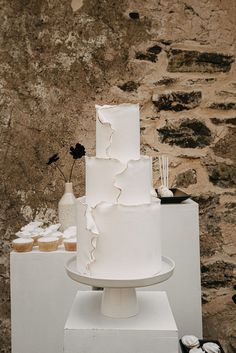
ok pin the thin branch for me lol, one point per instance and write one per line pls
(60, 172)
(72, 170)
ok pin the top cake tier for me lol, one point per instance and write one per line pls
(118, 132)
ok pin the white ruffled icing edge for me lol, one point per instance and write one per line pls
(116, 181)
(90, 222)
(91, 227)
(103, 121)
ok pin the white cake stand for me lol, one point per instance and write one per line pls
(119, 298)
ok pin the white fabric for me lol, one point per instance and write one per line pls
(128, 244)
(111, 181)
(118, 132)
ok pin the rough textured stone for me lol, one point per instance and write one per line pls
(151, 54)
(218, 121)
(186, 178)
(187, 134)
(211, 235)
(5, 337)
(222, 175)
(218, 274)
(155, 49)
(234, 298)
(207, 81)
(166, 81)
(194, 61)
(226, 94)
(129, 86)
(177, 101)
(229, 215)
(146, 56)
(226, 146)
(216, 323)
(166, 42)
(134, 15)
(223, 105)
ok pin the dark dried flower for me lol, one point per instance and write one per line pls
(78, 151)
(53, 159)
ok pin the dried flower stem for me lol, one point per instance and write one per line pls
(72, 170)
(61, 172)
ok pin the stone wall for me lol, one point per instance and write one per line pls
(174, 57)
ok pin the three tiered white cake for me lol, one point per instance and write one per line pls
(119, 218)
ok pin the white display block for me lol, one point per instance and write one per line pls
(41, 297)
(153, 330)
(180, 241)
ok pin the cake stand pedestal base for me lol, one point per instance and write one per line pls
(119, 296)
(152, 330)
(119, 302)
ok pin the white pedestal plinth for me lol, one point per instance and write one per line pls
(153, 330)
(41, 297)
(180, 241)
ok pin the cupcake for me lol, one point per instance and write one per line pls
(35, 239)
(48, 244)
(70, 232)
(32, 230)
(22, 245)
(59, 236)
(70, 244)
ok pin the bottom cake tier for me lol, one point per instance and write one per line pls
(117, 241)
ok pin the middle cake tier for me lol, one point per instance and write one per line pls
(112, 181)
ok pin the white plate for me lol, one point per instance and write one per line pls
(166, 272)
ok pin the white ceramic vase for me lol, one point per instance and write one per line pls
(66, 208)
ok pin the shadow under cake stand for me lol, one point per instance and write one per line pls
(119, 298)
